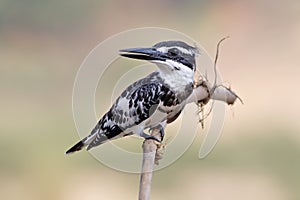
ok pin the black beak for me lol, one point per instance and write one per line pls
(142, 54)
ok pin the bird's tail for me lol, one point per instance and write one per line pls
(77, 147)
(81, 144)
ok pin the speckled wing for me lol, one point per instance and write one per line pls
(136, 104)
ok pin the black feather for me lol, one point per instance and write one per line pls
(76, 147)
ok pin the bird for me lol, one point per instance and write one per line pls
(151, 102)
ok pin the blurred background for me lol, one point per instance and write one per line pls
(43, 43)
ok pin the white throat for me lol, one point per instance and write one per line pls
(177, 79)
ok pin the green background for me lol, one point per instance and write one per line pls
(43, 43)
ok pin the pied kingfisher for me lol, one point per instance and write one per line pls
(152, 101)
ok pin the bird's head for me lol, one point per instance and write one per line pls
(170, 56)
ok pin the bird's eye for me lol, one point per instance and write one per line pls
(173, 52)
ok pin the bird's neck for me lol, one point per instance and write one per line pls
(180, 83)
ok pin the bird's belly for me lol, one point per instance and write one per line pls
(161, 114)
(157, 117)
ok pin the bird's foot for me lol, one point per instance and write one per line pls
(161, 131)
(150, 137)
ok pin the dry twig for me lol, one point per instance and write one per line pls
(202, 93)
(151, 154)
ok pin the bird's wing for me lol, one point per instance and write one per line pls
(130, 109)
(136, 104)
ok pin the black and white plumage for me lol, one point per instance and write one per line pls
(152, 101)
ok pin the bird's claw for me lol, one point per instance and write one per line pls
(161, 131)
(153, 138)
(150, 137)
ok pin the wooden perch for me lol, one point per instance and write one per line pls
(150, 156)
(152, 150)
(202, 93)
